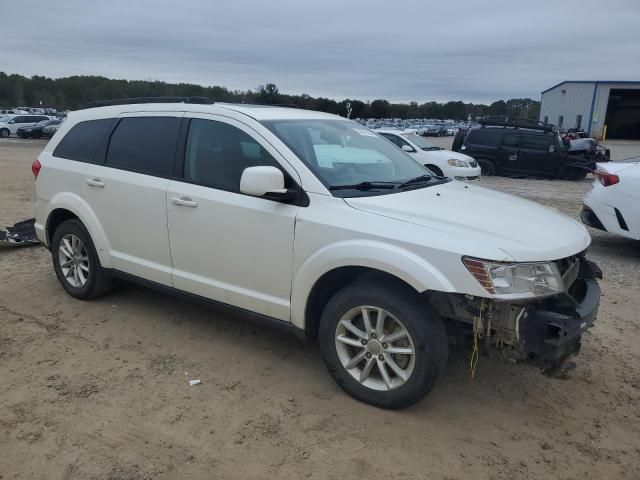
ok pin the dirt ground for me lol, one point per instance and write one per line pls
(99, 390)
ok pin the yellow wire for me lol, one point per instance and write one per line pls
(474, 354)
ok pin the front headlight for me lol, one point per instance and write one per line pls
(516, 280)
(454, 162)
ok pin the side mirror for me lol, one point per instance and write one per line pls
(265, 182)
(407, 149)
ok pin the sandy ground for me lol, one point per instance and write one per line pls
(98, 390)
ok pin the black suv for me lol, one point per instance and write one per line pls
(521, 147)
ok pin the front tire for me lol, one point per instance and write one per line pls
(382, 343)
(573, 174)
(4, 132)
(487, 167)
(76, 261)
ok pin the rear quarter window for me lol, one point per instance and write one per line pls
(83, 139)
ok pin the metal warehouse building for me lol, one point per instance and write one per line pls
(592, 105)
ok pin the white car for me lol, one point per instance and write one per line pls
(613, 203)
(441, 162)
(10, 124)
(315, 223)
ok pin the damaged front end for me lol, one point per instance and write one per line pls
(544, 332)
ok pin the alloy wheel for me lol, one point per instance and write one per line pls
(74, 261)
(375, 348)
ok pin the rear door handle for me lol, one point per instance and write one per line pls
(95, 182)
(184, 202)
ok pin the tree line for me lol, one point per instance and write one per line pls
(73, 92)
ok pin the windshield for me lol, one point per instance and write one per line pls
(420, 141)
(343, 153)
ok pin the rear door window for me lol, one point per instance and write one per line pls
(492, 137)
(82, 141)
(510, 140)
(535, 142)
(144, 145)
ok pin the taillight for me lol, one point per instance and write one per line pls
(607, 179)
(35, 167)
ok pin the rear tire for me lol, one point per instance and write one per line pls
(487, 167)
(356, 358)
(573, 174)
(76, 261)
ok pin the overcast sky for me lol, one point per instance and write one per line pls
(405, 50)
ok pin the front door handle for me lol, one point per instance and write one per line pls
(95, 182)
(184, 202)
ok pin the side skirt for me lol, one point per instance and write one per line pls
(253, 317)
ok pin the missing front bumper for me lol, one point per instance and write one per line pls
(21, 234)
(550, 331)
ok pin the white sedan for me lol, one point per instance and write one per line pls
(441, 162)
(613, 203)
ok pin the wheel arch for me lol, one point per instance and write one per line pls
(434, 168)
(334, 267)
(66, 206)
(487, 158)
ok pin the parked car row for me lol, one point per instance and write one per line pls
(28, 126)
(43, 129)
(424, 127)
(28, 111)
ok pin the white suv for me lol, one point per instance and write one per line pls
(314, 222)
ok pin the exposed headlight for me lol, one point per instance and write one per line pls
(454, 162)
(516, 280)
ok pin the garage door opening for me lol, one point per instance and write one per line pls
(623, 115)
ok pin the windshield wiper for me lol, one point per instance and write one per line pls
(420, 179)
(365, 186)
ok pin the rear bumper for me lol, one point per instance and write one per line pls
(552, 331)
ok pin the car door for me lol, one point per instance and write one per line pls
(15, 123)
(534, 154)
(508, 151)
(227, 246)
(30, 121)
(127, 193)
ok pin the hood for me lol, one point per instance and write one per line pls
(524, 230)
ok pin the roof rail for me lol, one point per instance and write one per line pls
(517, 123)
(136, 100)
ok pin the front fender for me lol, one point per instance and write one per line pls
(397, 261)
(81, 209)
